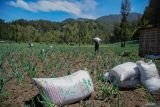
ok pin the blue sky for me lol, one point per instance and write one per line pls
(58, 10)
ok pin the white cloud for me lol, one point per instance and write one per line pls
(21, 4)
(79, 9)
(46, 6)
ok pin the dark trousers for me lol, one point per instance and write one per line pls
(96, 47)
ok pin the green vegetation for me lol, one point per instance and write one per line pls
(46, 101)
(151, 15)
(68, 32)
(124, 31)
(63, 60)
(19, 62)
(62, 57)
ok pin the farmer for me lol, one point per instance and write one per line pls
(96, 46)
(97, 41)
(30, 44)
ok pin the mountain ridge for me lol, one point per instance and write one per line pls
(116, 18)
(112, 18)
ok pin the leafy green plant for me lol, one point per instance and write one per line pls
(46, 101)
(16, 74)
(119, 101)
(16, 71)
(108, 90)
(32, 71)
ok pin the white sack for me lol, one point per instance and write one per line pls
(67, 89)
(149, 75)
(147, 70)
(153, 84)
(125, 71)
(97, 39)
(128, 83)
(109, 77)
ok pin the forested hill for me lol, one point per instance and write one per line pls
(110, 19)
(69, 31)
(116, 18)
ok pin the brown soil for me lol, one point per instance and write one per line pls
(16, 95)
(21, 93)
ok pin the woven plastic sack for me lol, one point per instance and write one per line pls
(149, 75)
(109, 77)
(97, 39)
(128, 83)
(125, 71)
(153, 85)
(147, 70)
(67, 89)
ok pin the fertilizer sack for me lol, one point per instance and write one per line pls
(147, 70)
(125, 71)
(128, 83)
(67, 89)
(153, 85)
(97, 39)
(149, 75)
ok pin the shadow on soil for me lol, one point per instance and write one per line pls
(34, 102)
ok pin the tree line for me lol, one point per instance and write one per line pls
(80, 31)
(62, 32)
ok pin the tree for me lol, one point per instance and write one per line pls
(116, 33)
(152, 14)
(81, 32)
(125, 10)
(2, 28)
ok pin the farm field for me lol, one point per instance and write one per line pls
(19, 64)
